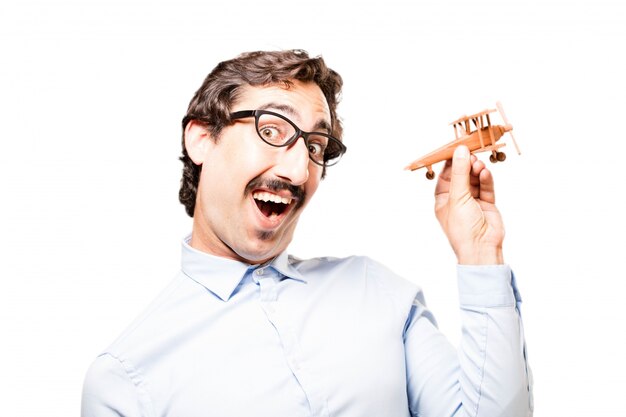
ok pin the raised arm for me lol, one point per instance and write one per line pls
(488, 374)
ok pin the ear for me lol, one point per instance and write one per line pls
(197, 141)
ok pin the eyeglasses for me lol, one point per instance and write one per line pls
(276, 130)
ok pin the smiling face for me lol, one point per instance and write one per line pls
(251, 194)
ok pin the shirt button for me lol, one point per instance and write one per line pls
(259, 271)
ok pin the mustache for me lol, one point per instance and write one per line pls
(277, 185)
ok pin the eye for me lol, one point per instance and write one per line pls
(269, 133)
(316, 149)
(274, 129)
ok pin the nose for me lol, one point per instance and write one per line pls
(293, 163)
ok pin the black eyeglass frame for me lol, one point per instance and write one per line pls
(242, 114)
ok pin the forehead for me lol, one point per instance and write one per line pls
(305, 101)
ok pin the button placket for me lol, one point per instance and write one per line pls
(269, 291)
(268, 279)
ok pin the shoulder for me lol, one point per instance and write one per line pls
(354, 270)
(112, 384)
(146, 325)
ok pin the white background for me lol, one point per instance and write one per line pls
(91, 97)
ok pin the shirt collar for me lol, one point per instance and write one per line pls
(284, 264)
(221, 276)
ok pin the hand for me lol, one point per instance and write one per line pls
(465, 207)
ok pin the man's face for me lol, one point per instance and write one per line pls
(251, 194)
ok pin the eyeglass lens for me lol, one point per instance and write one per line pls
(278, 131)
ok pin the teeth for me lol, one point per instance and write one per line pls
(264, 196)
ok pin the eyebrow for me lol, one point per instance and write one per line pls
(291, 111)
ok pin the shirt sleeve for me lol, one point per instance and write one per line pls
(488, 375)
(113, 389)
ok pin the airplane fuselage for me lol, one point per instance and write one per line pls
(489, 135)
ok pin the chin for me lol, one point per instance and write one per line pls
(265, 248)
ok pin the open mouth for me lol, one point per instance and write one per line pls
(271, 205)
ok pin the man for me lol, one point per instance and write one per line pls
(247, 330)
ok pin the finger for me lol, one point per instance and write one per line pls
(487, 188)
(477, 166)
(460, 178)
(443, 183)
(446, 170)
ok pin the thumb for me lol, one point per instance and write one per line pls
(460, 179)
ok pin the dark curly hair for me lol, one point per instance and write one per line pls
(212, 102)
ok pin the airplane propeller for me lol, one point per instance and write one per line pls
(506, 121)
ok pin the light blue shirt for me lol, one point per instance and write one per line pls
(320, 337)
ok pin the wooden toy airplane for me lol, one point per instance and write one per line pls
(480, 137)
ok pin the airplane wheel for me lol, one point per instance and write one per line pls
(492, 159)
(430, 175)
(501, 156)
